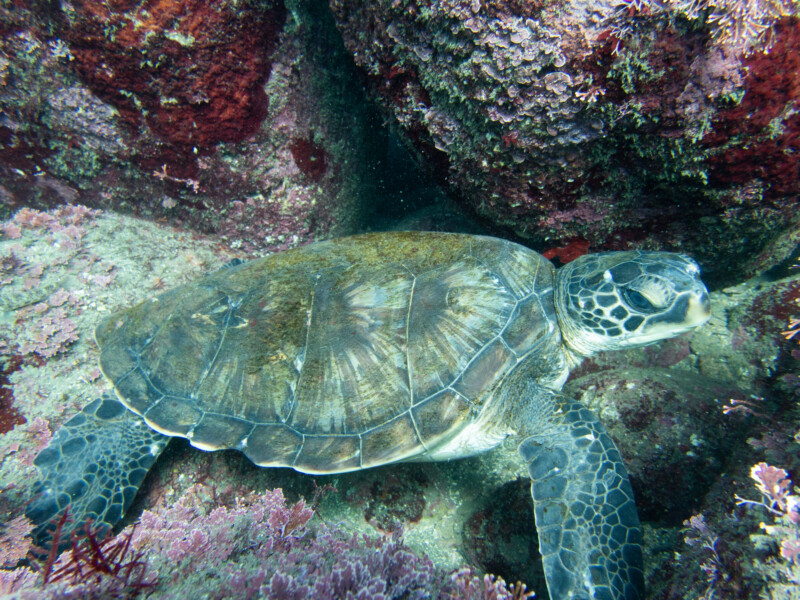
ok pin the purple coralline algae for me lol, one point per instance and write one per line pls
(258, 547)
(614, 123)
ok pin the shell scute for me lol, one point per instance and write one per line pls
(273, 445)
(355, 356)
(454, 312)
(391, 441)
(215, 430)
(530, 323)
(486, 370)
(173, 415)
(513, 266)
(438, 417)
(329, 454)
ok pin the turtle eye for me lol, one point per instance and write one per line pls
(638, 301)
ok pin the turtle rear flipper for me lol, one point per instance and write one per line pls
(586, 519)
(92, 467)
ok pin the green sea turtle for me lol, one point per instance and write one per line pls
(374, 349)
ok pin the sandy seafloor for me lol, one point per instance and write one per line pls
(63, 272)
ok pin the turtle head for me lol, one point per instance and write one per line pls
(615, 300)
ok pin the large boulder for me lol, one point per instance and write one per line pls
(600, 124)
(227, 117)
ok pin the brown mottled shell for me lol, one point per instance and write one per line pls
(336, 356)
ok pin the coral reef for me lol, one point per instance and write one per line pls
(755, 139)
(607, 123)
(10, 416)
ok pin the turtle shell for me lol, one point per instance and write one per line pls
(336, 356)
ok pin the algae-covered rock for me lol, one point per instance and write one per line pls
(243, 119)
(601, 123)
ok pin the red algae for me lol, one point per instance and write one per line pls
(760, 136)
(10, 417)
(309, 158)
(193, 72)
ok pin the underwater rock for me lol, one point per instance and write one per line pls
(225, 117)
(616, 123)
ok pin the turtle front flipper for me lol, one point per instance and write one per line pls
(589, 533)
(93, 467)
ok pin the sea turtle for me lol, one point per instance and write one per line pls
(379, 348)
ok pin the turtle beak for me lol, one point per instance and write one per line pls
(691, 309)
(698, 310)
